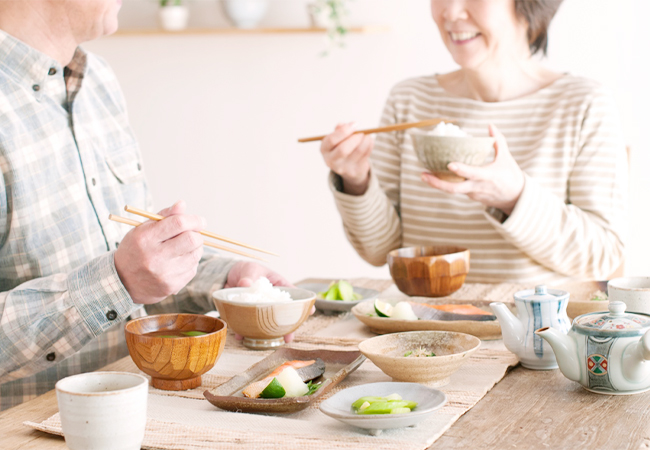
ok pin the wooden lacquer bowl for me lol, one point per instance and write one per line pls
(434, 271)
(264, 324)
(175, 364)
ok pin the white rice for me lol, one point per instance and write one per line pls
(261, 291)
(448, 129)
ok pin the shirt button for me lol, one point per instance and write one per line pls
(50, 356)
(111, 315)
(117, 244)
(36, 88)
(94, 181)
(52, 71)
(139, 166)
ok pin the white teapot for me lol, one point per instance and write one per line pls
(606, 352)
(536, 308)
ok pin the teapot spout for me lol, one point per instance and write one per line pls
(511, 328)
(565, 350)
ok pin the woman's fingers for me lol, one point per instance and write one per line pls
(464, 187)
(340, 134)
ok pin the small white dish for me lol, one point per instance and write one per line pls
(339, 406)
(334, 306)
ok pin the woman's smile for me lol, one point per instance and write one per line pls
(463, 37)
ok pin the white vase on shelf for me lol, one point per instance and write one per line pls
(319, 16)
(246, 13)
(174, 17)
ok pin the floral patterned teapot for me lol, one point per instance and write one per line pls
(606, 352)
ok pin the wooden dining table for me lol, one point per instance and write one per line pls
(527, 409)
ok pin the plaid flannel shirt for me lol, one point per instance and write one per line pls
(68, 158)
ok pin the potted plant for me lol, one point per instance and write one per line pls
(331, 15)
(173, 15)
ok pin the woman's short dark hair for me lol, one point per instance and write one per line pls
(538, 14)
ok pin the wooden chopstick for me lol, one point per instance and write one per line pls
(135, 223)
(399, 126)
(152, 216)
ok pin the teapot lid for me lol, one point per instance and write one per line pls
(541, 294)
(613, 322)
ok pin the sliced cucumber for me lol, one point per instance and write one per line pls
(383, 309)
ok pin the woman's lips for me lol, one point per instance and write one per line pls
(463, 37)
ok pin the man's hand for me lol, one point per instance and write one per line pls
(498, 184)
(244, 273)
(157, 259)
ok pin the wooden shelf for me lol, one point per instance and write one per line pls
(160, 32)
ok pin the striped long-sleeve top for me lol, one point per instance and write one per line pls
(569, 221)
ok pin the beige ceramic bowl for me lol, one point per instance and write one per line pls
(434, 271)
(436, 152)
(451, 349)
(263, 325)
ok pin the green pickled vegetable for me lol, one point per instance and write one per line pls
(340, 290)
(392, 404)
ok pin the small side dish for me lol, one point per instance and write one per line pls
(340, 406)
(333, 366)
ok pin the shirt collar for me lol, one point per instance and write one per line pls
(30, 67)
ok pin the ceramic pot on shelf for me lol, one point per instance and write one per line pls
(174, 17)
(319, 17)
(245, 13)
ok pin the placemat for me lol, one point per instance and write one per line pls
(185, 420)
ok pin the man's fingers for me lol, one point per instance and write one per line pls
(172, 226)
(184, 244)
(176, 208)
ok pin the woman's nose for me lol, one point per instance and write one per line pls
(453, 10)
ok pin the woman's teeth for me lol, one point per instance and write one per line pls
(464, 36)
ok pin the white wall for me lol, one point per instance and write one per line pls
(217, 116)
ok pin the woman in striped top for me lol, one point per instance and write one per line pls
(549, 208)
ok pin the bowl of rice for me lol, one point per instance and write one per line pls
(263, 313)
(448, 143)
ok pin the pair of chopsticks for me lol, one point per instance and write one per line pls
(152, 216)
(398, 127)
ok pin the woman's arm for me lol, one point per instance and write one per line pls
(371, 221)
(581, 235)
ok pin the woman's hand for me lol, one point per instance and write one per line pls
(244, 273)
(498, 184)
(348, 155)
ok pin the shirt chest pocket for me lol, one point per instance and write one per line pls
(125, 165)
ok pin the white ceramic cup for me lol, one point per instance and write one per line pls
(633, 291)
(103, 410)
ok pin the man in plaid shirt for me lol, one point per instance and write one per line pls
(69, 277)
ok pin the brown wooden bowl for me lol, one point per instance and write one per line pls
(175, 364)
(434, 271)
